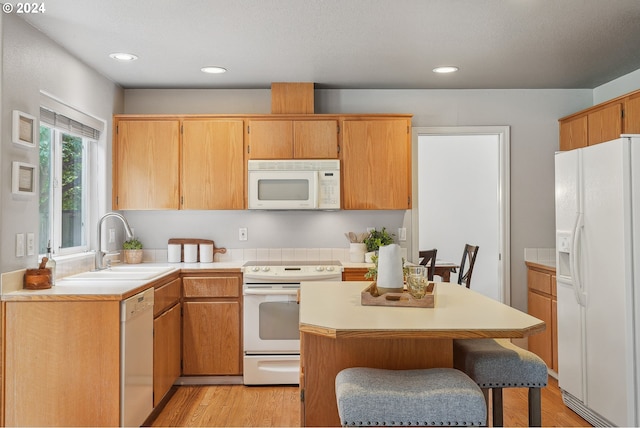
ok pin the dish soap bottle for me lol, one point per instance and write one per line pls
(51, 264)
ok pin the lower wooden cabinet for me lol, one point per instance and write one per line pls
(542, 304)
(212, 324)
(354, 274)
(166, 338)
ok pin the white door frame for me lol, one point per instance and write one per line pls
(503, 193)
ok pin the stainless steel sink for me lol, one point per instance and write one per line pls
(133, 273)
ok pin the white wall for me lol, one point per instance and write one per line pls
(32, 63)
(623, 85)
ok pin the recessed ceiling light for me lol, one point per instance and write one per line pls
(212, 69)
(121, 56)
(445, 69)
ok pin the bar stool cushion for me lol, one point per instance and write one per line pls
(498, 363)
(441, 396)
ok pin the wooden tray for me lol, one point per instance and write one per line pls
(371, 297)
(196, 241)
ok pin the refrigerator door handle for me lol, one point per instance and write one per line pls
(574, 264)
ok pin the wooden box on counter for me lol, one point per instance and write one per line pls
(371, 297)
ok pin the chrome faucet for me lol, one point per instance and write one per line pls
(99, 253)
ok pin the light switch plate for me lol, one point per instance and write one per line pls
(402, 234)
(31, 244)
(242, 234)
(20, 245)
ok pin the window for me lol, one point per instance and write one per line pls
(64, 183)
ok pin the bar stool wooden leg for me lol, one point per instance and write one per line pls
(496, 403)
(535, 409)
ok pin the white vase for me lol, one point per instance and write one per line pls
(368, 256)
(356, 252)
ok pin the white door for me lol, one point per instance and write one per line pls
(606, 264)
(460, 202)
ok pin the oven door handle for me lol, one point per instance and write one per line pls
(271, 291)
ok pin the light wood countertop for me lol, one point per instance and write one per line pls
(333, 309)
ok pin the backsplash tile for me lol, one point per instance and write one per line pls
(539, 254)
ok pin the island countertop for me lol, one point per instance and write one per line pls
(333, 309)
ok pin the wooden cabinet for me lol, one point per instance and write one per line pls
(602, 122)
(354, 274)
(166, 338)
(211, 325)
(62, 363)
(574, 133)
(632, 114)
(292, 139)
(376, 159)
(542, 304)
(146, 157)
(605, 123)
(212, 164)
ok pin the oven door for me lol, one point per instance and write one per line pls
(271, 320)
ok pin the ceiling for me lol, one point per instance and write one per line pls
(387, 44)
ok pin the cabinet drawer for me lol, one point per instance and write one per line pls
(539, 281)
(354, 274)
(166, 296)
(222, 286)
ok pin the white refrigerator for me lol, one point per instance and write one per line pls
(597, 194)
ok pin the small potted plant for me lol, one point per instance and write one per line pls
(132, 251)
(375, 240)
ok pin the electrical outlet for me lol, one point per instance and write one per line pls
(20, 245)
(402, 234)
(242, 234)
(112, 236)
(31, 244)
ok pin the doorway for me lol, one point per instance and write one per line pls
(461, 195)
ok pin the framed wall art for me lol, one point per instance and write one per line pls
(25, 129)
(23, 180)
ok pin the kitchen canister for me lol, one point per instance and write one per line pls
(174, 253)
(356, 252)
(190, 253)
(206, 253)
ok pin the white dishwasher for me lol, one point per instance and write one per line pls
(136, 358)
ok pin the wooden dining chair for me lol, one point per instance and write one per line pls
(429, 260)
(466, 265)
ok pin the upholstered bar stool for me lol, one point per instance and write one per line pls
(421, 397)
(497, 363)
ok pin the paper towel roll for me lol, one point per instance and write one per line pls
(390, 277)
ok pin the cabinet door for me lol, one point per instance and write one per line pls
(605, 124)
(376, 164)
(354, 274)
(146, 163)
(540, 344)
(315, 139)
(632, 115)
(573, 133)
(166, 352)
(212, 165)
(270, 139)
(211, 338)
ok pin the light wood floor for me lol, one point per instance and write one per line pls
(278, 406)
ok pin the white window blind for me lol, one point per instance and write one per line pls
(64, 123)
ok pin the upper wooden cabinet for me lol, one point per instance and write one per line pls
(376, 160)
(605, 124)
(574, 133)
(632, 114)
(292, 139)
(146, 157)
(212, 164)
(600, 123)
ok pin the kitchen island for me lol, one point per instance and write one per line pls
(337, 332)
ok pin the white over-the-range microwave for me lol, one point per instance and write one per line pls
(294, 184)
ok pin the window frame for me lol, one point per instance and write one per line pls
(55, 192)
